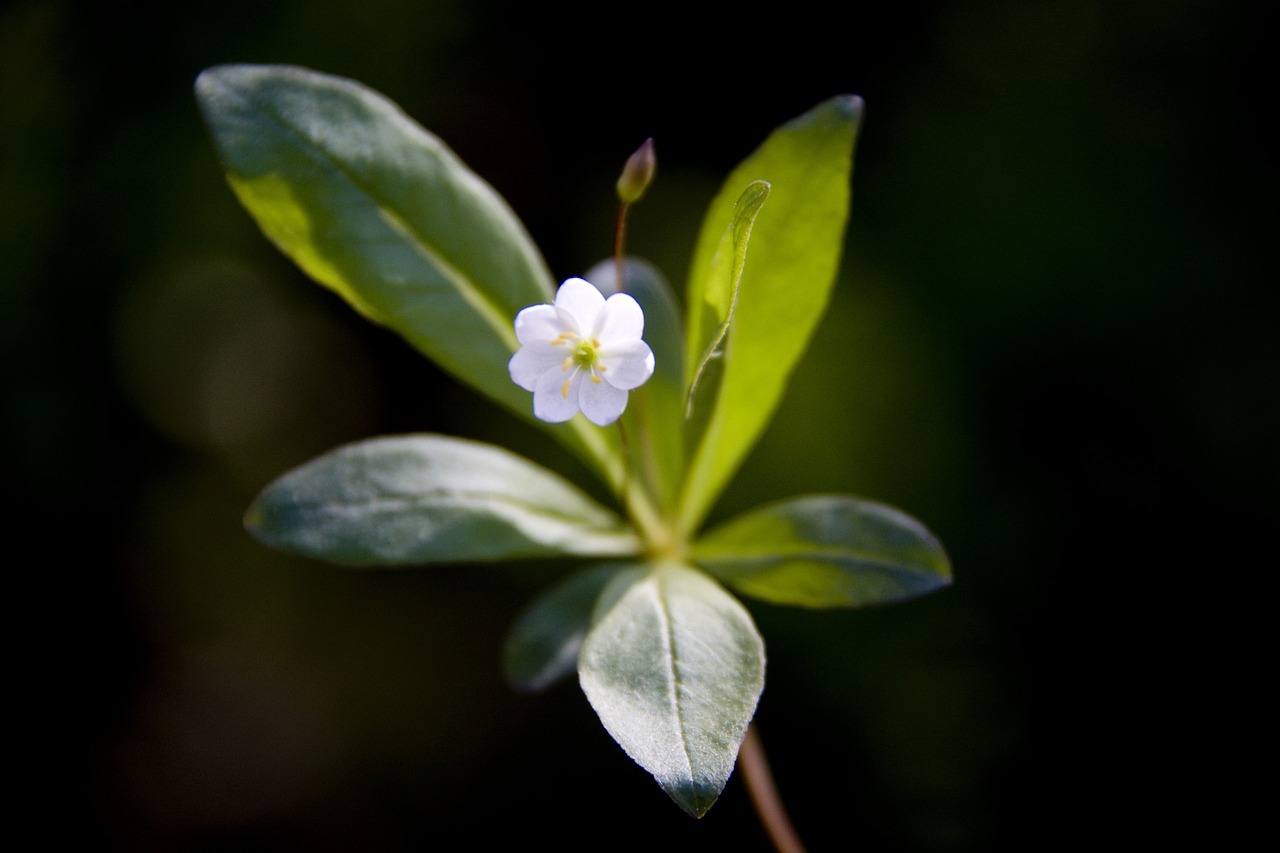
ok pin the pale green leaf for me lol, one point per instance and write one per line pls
(373, 206)
(674, 667)
(825, 551)
(786, 281)
(542, 646)
(416, 499)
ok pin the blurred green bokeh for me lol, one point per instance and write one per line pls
(1053, 340)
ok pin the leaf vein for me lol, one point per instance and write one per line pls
(450, 498)
(677, 687)
(817, 555)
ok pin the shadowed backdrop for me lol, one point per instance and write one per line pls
(1052, 340)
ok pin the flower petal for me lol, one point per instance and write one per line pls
(533, 360)
(580, 299)
(601, 402)
(626, 364)
(551, 403)
(538, 324)
(622, 319)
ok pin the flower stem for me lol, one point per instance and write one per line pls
(764, 794)
(626, 463)
(647, 458)
(657, 535)
(619, 242)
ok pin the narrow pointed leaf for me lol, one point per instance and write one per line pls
(374, 207)
(414, 499)
(795, 252)
(542, 646)
(712, 315)
(825, 551)
(674, 667)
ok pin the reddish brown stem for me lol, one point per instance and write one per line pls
(764, 794)
(619, 240)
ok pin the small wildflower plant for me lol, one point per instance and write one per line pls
(662, 404)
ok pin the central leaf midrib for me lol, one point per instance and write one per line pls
(664, 615)
(441, 497)
(826, 555)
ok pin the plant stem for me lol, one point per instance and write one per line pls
(619, 241)
(647, 458)
(764, 794)
(653, 528)
(626, 463)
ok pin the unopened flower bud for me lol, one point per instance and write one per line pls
(638, 173)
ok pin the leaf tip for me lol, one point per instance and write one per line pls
(254, 519)
(212, 80)
(850, 105)
(945, 575)
(693, 796)
(936, 579)
(752, 198)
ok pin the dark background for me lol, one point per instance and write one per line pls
(1053, 340)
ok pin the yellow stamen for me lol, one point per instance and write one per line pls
(568, 362)
(564, 389)
(595, 379)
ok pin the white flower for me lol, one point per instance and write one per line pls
(582, 353)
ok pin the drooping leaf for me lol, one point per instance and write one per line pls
(795, 251)
(825, 551)
(414, 499)
(657, 405)
(542, 646)
(374, 207)
(674, 667)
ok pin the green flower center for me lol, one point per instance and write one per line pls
(584, 354)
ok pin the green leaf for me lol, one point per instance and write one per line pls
(674, 667)
(795, 252)
(825, 551)
(371, 205)
(417, 499)
(542, 646)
